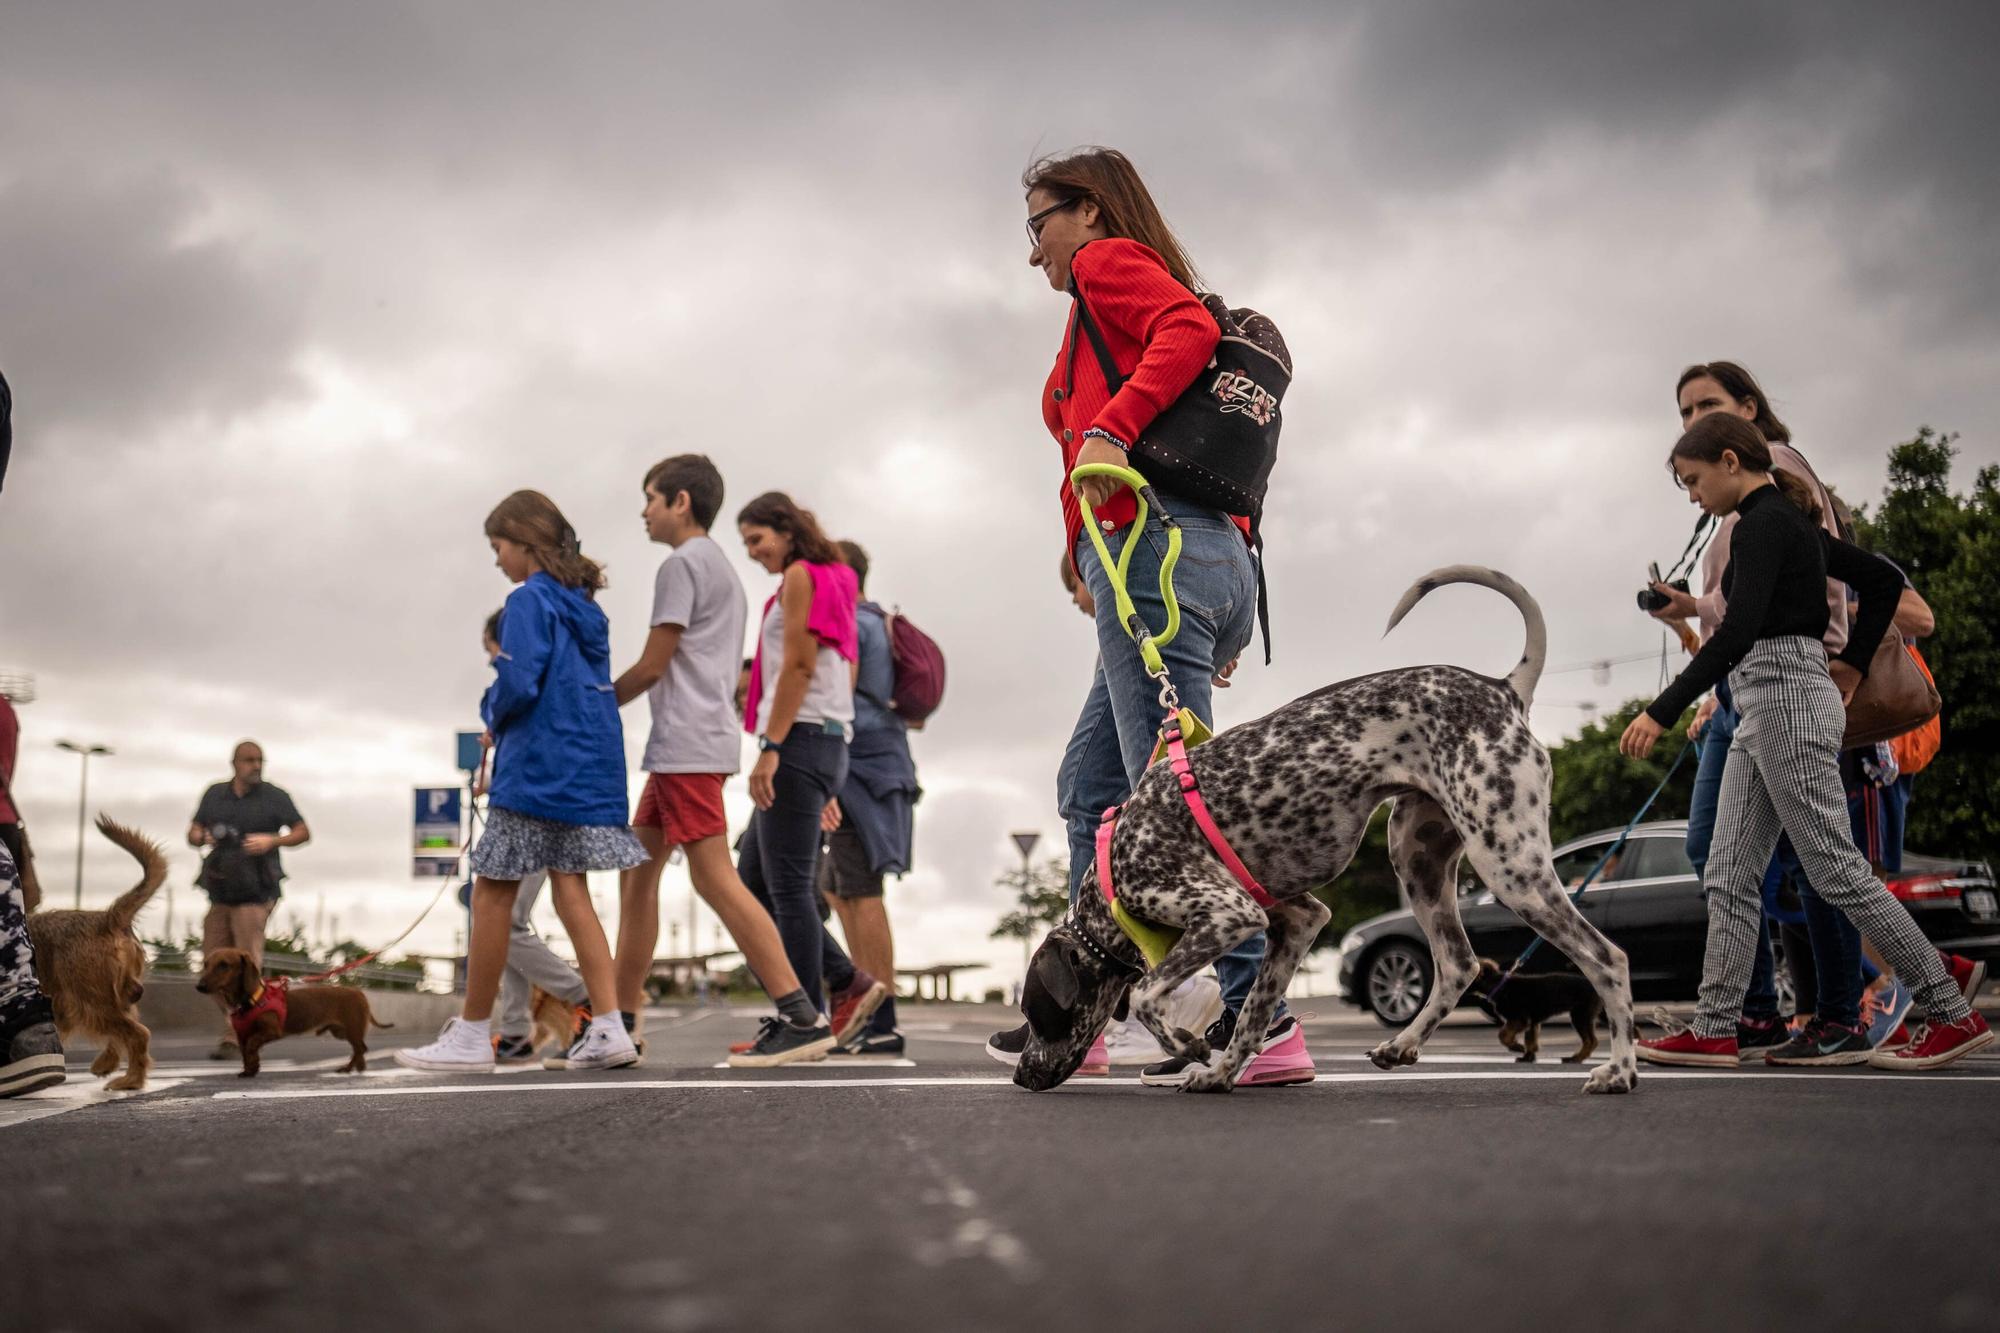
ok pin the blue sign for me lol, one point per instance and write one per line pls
(439, 819)
(470, 752)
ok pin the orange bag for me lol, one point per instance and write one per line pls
(1915, 749)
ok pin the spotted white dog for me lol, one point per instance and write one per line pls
(1292, 792)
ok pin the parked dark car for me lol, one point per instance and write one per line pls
(1651, 905)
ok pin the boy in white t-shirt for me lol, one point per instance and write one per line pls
(688, 671)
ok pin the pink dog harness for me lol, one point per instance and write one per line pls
(1177, 756)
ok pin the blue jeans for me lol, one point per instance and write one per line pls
(1216, 586)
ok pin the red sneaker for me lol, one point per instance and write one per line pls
(1896, 1040)
(1969, 976)
(1684, 1048)
(1937, 1045)
(853, 1007)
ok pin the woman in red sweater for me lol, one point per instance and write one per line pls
(1095, 230)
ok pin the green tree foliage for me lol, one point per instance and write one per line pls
(1041, 898)
(1949, 545)
(1595, 787)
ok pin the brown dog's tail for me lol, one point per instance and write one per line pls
(371, 1014)
(1528, 672)
(153, 871)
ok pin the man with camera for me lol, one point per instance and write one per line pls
(243, 823)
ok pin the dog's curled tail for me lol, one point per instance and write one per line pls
(371, 1014)
(1528, 672)
(152, 861)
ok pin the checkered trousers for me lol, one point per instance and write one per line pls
(1783, 776)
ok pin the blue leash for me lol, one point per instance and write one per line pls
(1617, 845)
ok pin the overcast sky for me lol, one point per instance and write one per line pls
(291, 295)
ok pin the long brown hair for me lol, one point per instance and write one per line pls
(530, 519)
(1126, 207)
(1739, 384)
(1722, 432)
(775, 510)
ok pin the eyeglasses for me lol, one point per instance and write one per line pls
(1035, 220)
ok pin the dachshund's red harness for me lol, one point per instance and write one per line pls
(272, 997)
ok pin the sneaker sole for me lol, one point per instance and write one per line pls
(632, 1061)
(1008, 1058)
(445, 1066)
(1690, 1061)
(32, 1074)
(1883, 1060)
(1819, 1061)
(863, 1011)
(811, 1051)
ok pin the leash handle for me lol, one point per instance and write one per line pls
(1117, 570)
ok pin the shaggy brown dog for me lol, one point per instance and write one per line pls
(555, 1021)
(336, 1011)
(90, 964)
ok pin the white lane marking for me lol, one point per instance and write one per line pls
(1090, 1085)
(73, 1094)
(839, 1062)
(976, 1236)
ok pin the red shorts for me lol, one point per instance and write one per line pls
(685, 807)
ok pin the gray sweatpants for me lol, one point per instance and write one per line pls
(531, 962)
(1783, 776)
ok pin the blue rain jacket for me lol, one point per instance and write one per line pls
(559, 750)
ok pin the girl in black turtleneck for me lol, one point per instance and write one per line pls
(1783, 774)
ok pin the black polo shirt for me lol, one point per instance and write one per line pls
(230, 874)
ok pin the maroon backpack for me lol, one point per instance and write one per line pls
(919, 669)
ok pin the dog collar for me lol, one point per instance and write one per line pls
(1101, 953)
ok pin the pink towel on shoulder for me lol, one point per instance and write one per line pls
(836, 593)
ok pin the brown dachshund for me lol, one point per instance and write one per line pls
(336, 1011)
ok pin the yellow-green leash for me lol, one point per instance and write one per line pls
(1153, 940)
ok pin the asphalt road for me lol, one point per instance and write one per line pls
(1467, 1192)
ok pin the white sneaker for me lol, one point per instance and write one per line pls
(457, 1050)
(1195, 1004)
(599, 1049)
(1129, 1043)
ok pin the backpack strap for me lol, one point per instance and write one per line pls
(1113, 380)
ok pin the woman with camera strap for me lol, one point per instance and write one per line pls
(1782, 776)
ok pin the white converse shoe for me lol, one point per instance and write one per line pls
(457, 1050)
(599, 1049)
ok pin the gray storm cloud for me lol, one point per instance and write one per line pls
(290, 298)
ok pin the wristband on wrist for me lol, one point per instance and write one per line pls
(765, 745)
(1099, 433)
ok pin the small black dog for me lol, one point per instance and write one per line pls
(1528, 1001)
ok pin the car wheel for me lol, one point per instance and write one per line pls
(1396, 983)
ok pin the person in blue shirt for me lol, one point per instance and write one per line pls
(558, 796)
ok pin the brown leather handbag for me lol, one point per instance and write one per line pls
(1896, 696)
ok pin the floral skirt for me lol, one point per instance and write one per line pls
(515, 846)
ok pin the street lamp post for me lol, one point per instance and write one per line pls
(82, 801)
(1026, 842)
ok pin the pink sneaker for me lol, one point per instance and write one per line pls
(1281, 1059)
(1096, 1061)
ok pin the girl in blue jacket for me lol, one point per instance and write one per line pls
(558, 797)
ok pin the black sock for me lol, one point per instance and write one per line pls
(631, 1021)
(798, 1010)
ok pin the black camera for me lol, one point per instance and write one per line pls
(1651, 600)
